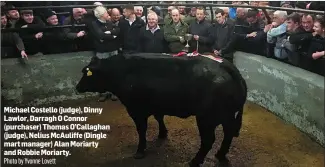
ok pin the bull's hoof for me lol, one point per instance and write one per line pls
(139, 155)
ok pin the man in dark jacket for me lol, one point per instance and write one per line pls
(130, 26)
(79, 36)
(115, 16)
(103, 34)
(151, 38)
(12, 15)
(199, 29)
(53, 40)
(221, 36)
(302, 40)
(11, 43)
(30, 37)
(251, 34)
(293, 27)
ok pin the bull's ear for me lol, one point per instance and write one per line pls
(89, 73)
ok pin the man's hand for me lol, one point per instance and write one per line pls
(274, 24)
(268, 27)
(23, 54)
(317, 55)
(182, 39)
(253, 34)
(216, 52)
(39, 35)
(81, 34)
(196, 37)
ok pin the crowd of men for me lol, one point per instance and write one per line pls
(290, 37)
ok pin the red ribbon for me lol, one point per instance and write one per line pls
(195, 53)
(179, 54)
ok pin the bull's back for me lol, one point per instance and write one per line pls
(174, 84)
(167, 65)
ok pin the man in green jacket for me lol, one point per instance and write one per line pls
(174, 32)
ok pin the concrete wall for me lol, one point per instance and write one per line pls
(293, 94)
(43, 79)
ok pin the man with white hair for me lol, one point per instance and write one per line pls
(103, 34)
(151, 38)
(98, 4)
(275, 34)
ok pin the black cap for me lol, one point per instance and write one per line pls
(28, 11)
(7, 7)
(48, 14)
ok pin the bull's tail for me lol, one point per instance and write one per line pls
(238, 122)
(239, 100)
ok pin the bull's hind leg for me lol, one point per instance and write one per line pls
(206, 130)
(141, 123)
(162, 127)
(228, 130)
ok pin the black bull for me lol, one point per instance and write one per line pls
(156, 84)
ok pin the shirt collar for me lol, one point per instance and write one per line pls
(131, 20)
(102, 21)
(157, 28)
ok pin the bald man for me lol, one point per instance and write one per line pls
(115, 16)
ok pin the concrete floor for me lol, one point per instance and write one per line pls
(265, 141)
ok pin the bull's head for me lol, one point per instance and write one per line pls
(93, 79)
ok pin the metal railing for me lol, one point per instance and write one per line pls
(187, 4)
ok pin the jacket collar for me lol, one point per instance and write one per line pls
(199, 22)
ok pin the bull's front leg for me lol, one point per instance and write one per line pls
(141, 123)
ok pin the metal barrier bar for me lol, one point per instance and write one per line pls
(186, 4)
(41, 28)
(48, 28)
(62, 13)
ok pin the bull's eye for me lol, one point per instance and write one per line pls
(89, 73)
